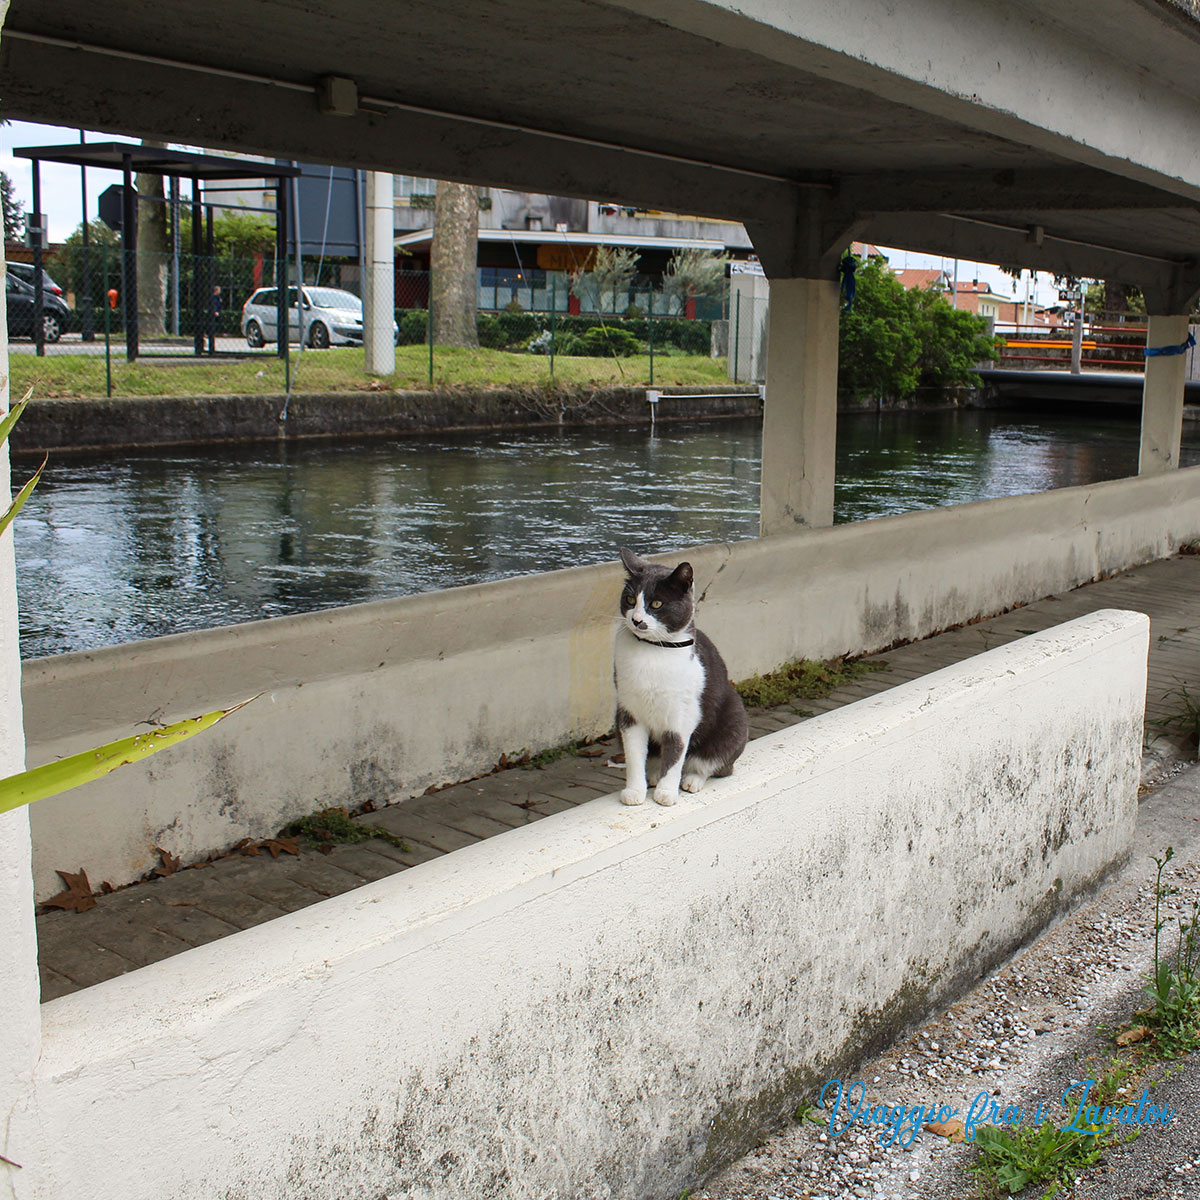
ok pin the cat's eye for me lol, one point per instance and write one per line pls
(627, 598)
(656, 604)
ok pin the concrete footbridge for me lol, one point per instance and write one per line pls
(610, 1003)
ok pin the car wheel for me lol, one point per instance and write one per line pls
(318, 336)
(51, 327)
(254, 336)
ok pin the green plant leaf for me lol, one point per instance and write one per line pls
(23, 495)
(77, 769)
(14, 415)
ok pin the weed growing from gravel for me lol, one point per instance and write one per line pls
(802, 678)
(1174, 988)
(1184, 717)
(1012, 1159)
(334, 827)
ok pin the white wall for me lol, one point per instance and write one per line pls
(379, 701)
(612, 1001)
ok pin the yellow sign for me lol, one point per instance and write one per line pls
(563, 256)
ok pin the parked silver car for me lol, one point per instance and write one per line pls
(332, 317)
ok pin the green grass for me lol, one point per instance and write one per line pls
(1183, 717)
(802, 679)
(341, 370)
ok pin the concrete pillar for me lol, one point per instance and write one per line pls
(1162, 396)
(20, 1044)
(800, 414)
(379, 285)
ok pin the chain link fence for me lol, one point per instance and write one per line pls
(172, 325)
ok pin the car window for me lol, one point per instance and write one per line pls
(264, 296)
(334, 298)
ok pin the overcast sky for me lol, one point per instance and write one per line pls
(61, 201)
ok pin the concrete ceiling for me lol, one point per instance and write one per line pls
(1063, 141)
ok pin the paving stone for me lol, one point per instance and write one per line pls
(55, 985)
(323, 873)
(131, 930)
(421, 829)
(67, 950)
(189, 923)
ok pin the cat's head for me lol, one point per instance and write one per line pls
(657, 603)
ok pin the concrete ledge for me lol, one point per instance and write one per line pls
(125, 422)
(614, 1001)
(379, 701)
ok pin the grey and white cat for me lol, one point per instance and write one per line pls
(674, 699)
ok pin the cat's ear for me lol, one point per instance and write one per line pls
(681, 577)
(633, 564)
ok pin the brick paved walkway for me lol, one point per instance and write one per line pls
(153, 920)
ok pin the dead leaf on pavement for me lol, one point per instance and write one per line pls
(952, 1130)
(247, 846)
(169, 864)
(1136, 1034)
(78, 895)
(277, 846)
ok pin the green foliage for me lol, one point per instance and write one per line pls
(335, 827)
(607, 284)
(802, 678)
(14, 213)
(1184, 718)
(894, 341)
(1011, 1159)
(609, 341)
(692, 273)
(414, 326)
(1174, 987)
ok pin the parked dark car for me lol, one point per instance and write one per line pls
(24, 272)
(56, 315)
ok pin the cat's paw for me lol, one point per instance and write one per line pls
(693, 783)
(633, 795)
(652, 776)
(665, 795)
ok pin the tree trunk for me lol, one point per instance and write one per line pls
(453, 258)
(153, 253)
(1116, 297)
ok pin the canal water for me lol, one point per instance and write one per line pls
(127, 546)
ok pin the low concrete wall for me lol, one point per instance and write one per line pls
(138, 421)
(379, 701)
(614, 1001)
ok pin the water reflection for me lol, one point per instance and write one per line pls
(115, 549)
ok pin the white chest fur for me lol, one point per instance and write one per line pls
(658, 686)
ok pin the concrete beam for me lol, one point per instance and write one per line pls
(1162, 396)
(800, 414)
(257, 117)
(966, 236)
(1135, 66)
(1073, 188)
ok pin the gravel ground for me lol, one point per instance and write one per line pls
(1020, 1037)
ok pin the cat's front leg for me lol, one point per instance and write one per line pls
(635, 739)
(671, 766)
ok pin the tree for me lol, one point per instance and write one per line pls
(893, 341)
(612, 273)
(14, 212)
(692, 273)
(454, 288)
(153, 253)
(87, 278)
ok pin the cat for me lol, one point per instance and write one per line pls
(674, 698)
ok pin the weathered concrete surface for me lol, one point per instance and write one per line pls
(133, 421)
(246, 891)
(382, 700)
(610, 1003)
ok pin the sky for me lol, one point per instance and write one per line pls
(61, 202)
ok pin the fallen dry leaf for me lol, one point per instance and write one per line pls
(78, 895)
(169, 863)
(277, 846)
(591, 751)
(247, 846)
(952, 1130)
(1136, 1034)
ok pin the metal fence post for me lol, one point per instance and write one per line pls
(429, 325)
(553, 318)
(650, 314)
(737, 331)
(107, 322)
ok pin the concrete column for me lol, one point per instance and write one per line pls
(800, 416)
(379, 285)
(1162, 396)
(20, 1044)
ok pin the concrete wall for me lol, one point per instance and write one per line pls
(611, 1002)
(379, 701)
(130, 421)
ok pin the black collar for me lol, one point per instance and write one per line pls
(666, 645)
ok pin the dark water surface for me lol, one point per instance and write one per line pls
(132, 546)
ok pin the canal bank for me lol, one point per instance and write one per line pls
(90, 425)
